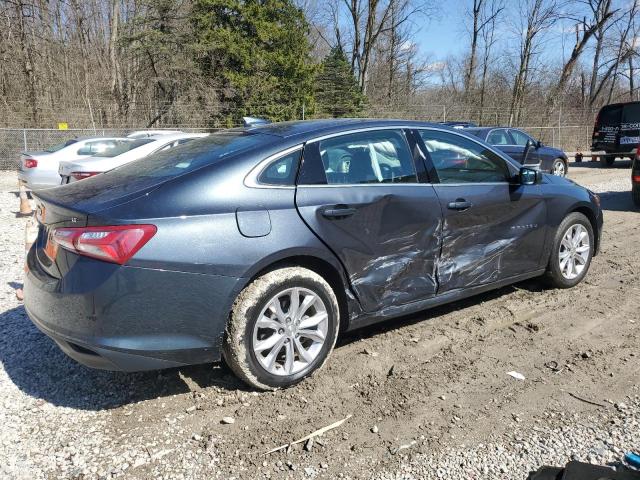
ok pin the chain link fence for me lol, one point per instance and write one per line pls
(14, 141)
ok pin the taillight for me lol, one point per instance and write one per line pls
(30, 163)
(83, 175)
(116, 244)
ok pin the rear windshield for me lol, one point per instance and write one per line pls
(192, 155)
(125, 146)
(610, 115)
(60, 146)
(631, 113)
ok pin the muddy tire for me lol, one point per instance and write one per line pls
(283, 327)
(572, 251)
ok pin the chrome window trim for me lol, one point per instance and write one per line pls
(251, 179)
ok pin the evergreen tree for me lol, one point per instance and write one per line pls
(256, 52)
(336, 90)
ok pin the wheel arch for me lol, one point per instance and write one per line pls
(328, 268)
(591, 216)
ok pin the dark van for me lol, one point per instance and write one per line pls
(617, 131)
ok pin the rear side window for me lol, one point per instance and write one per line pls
(610, 115)
(96, 148)
(631, 113)
(461, 160)
(125, 146)
(281, 171)
(373, 157)
(499, 137)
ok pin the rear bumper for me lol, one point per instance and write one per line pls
(39, 180)
(130, 319)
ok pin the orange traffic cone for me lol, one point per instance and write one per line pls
(25, 206)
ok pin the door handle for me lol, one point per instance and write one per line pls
(460, 204)
(339, 212)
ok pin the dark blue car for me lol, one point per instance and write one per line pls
(524, 149)
(259, 245)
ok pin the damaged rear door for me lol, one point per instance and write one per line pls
(359, 193)
(494, 228)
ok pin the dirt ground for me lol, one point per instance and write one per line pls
(437, 379)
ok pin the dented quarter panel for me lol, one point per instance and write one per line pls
(501, 235)
(388, 247)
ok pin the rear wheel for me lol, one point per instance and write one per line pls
(607, 160)
(282, 329)
(635, 194)
(559, 168)
(573, 248)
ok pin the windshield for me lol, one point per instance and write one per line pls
(60, 146)
(123, 147)
(192, 155)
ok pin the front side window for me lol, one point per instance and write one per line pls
(610, 115)
(281, 171)
(498, 137)
(458, 159)
(373, 157)
(520, 138)
(631, 113)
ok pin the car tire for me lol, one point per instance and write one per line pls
(569, 261)
(264, 313)
(607, 160)
(635, 195)
(559, 167)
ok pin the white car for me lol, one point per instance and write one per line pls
(152, 133)
(39, 170)
(130, 150)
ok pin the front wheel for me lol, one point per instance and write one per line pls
(573, 248)
(559, 168)
(283, 327)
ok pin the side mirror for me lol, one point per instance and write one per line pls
(528, 176)
(539, 144)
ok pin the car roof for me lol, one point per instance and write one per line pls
(174, 136)
(309, 128)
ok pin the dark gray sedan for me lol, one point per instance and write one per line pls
(524, 149)
(260, 245)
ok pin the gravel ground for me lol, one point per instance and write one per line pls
(429, 394)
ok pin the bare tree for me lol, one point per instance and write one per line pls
(602, 14)
(483, 14)
(537, 15)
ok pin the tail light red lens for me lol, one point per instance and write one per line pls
(83, 175)
(30, 163)
(116, 244)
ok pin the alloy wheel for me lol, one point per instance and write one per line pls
(290, 331)
(574, 251)
(559, 169)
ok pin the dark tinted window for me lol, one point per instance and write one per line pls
(499, 137)
(461, 160)
(281, 171)
(368, 157)
(191, 156)
(631, 113)
(610, 115)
